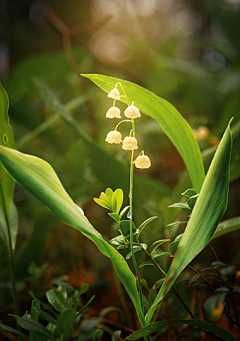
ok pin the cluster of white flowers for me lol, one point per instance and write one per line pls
(115, 137)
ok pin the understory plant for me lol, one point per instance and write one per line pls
(206, 201)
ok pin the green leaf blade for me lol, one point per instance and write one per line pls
(6, 181)
(204, 325)
(39, 178)
(174, 125)
(208, 211)
(227, 226)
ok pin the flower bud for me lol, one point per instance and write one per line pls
(142, 162)
(132, 112)
(129, 143)
(113, 112)
(114, 137)
(114, 94)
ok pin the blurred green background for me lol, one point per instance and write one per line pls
(187, 52)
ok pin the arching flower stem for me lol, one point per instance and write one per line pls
(121, 123)
(124, 93)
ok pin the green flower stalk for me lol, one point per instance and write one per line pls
(142, 161)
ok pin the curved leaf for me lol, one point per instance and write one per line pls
(39, 178)
(171, 121)
(203, 325)
(6, 182)
(207, 212)
(227, 226)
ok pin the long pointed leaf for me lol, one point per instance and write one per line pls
(6, 182)
(227, 226)
(203, 325)
(174, 125)
(208, 211)
(39, 178)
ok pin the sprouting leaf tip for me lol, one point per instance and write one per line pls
(231, 119)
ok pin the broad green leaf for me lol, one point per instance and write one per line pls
(117, 200)
(208, 211)
(171, 121)
(6, 182)
(57, 299)
(203, 325)
(39, 178)
(227, 226)
(65, 320)
(35, 327)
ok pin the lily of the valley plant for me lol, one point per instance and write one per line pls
(207, 200)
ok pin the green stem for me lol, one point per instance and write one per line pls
(11, 267)
(13, 281)
(131, 230)
(123, 121)
(10, 257)
(131, 221)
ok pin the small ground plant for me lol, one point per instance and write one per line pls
(206, 203)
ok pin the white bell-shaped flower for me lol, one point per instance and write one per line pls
(114, 94)
(113, 112)
(132, 112)
(114, 137)
(129, 143)
(142, 162)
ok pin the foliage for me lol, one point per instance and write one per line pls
(58, 318)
